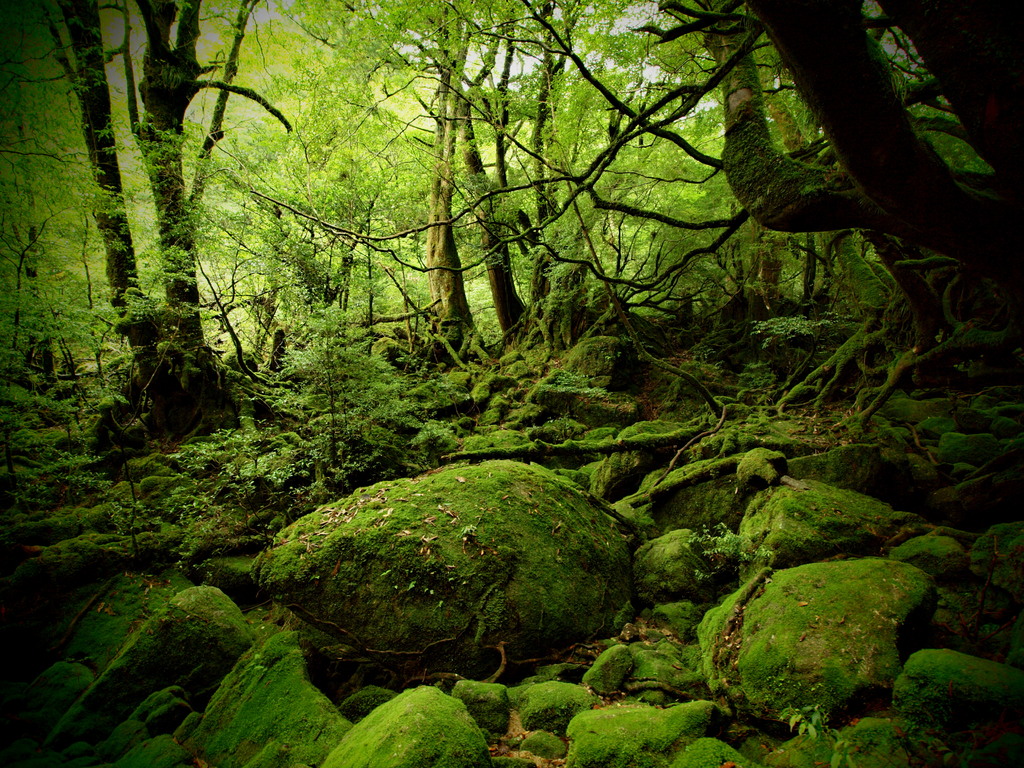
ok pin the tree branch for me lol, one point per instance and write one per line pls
(248, 93)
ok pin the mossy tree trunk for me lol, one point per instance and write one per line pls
(444, 268)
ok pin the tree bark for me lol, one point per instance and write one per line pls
(443, 264)
(87, 73)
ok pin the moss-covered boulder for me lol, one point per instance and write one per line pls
(800, 526)
(976, 450)
(668, 569)
(998, 554)
(761, 467)
(709, 752)
(161, 751)
(267, 698)
(420, 727)
(637, 735)
(358, 705)
(942, 688)
(544, 745)
(488, 703)
(819, 634)
(193, 643)
(35, 709)
(940, 556)
(605, 361)
(434, 571)
(861, 467)
(550, 706)
(619, 474)
(565, 393)
(609, 671)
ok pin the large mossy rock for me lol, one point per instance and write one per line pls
(418, 728)
(550, 706)
(268, 698)
(193, 643)
(793, 526)
(433, 572)
(821, 634)
(637, 735)
(941, 688)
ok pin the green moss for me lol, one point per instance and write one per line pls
(488, 703)
(610, 670)
(193, 643)
(947, 689)
(361, 703)
(544, 744)
(761, 467)
(809, 636)
(1000, 552)
(802, 526)
(420, 727)
(667, 569)
(708, 752)
(939, 556)
(550, 706)
(975, 450)
(680, 618)
(268, 697)
(637, 736)
(159, 752)
(448, 564)
(164, 710)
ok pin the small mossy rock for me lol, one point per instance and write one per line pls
(606, 361)
(940, 556)
(709, 752)
(164, 710)
(361, 703)
(680, 618)
(158, 752)
(761, 467)
(667, 569)
(504, 761)
(663, 665)
(975, 450)
(900, 408)
(550, 706)
(419, 727)
(545, 745)
(637, 735)
(802, 526)
(268, 696)
(193, 643)
(1005, 428)
(610, 670)
(488, 703)
(820, 633)
(935, 426)
(451, 563)
(942, 688)
(1000, 552)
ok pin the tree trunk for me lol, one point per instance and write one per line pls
(87, 73)
(443, 264)
(507, 304)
